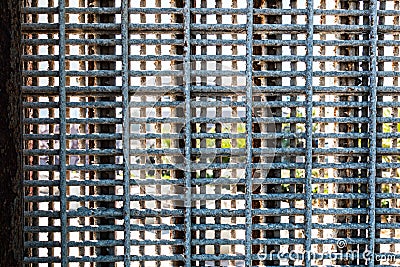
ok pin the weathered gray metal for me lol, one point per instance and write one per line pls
(161, 180)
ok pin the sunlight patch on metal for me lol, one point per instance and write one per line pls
(211, 132)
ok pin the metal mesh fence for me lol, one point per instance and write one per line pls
(211, 132)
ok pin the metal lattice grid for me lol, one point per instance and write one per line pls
(211, 133)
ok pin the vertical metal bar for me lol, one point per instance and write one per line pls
(372, 132)
(51, 159)
(158, 141)
(249, 137)
(126, 129)
(380, 127)
(394, 129)
(63, 128)
(322, 129)
(11, 166)
(293, 188)
(203, 129)
(363, 188)
(188, 135)
(309, 131)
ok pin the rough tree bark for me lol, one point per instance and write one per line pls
(11, 174)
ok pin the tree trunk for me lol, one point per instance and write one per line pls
(11, 172)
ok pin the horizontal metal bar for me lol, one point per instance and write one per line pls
(101, 243)
(213, 151)
(100, 10)
(102, 259)
(117, 136)
(73, 104)
(211, 89)
(143, 197)
(210, 42)
(73, 121)
(211, 166)
(205, 181)
(219, 11)
(99, 27)
(103, 42)
(203, 73)
(207, 58)
(135, 213)
(199, 28)
(100, 57)
(102, 228)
